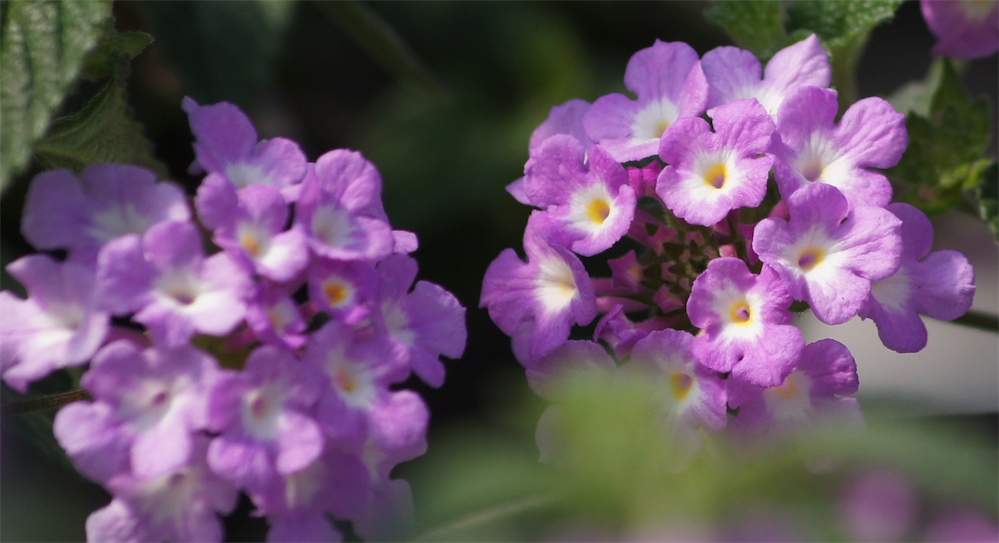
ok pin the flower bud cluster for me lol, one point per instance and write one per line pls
(727, 198)
(268, 366)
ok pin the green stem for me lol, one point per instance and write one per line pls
(479, 518)
(979, 321)
(44, 402)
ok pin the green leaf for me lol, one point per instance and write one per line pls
(843, 28)
(987, 196)
(103, 131)
(41, 54)
(837, 23)
(103, 59)
(944, 158)
(755, 25)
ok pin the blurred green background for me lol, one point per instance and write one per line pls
(447, 132)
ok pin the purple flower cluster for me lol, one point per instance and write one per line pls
(709, 260)
(269, 367)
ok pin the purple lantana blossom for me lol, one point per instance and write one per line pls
(819, 388)
(815, 149)
(263, 419)
(60, 324)
(175, 291)
(182, 505)
(711, 173)
(965, 29)
(226, 144)
(358, 370)
(735, 74)
(691, 397)
(341, 208)
(346, 290)
(939, 284)
(746, 322)
(537, 302)
(106, 201)
(829, 254)
(588, 202)
(154, 400)
(564, 119)
(669, 84)
(274, 317)
(422, 325)
(249, 226)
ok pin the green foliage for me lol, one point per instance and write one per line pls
(42, 52)
(225, 51)
(754, 25)
(111, 50)
(944, 157)
(103, 131)
(617, 473)
(766, 26)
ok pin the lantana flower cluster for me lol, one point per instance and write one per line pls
(269, 364)
(727, 197)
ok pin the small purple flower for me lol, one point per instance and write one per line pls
(182, 505)
(691, 397)
(735, 74)
(250, 228)
(827, 254)
(152, 399)
(359, 372)
(174, 290)
(819, 388)
(537, 302)
(669, 84)
(226, 144)
(106, 202)
(275, 318)
(341, 208)
(939, 284)
(746, 322)
(871, 134)
(879, 506)
(346, 290)
(712, 173)
(262, 415)
(965, 29)
(422, 325)
(59, 325)
(564, 119)
(589, 203)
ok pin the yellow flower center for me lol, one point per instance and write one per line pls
(810, 257)
(740, 313)
(787, 391)
(715, 176)
(661, 127)
(335, 293)
(345, 381)
(251, 244)
(681, 383)
(598, 210)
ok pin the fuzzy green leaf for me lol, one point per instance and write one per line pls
(103, 131)
(41, 54)
(103, 60)
(837, 23)
(755, 25)
(944, 157)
